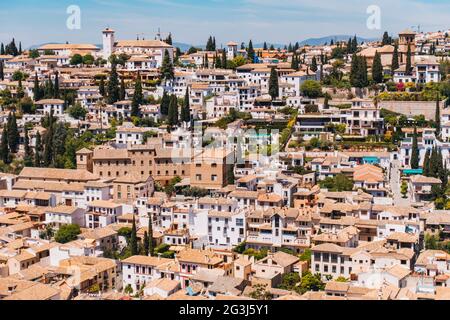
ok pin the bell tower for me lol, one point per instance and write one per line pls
(108, 43)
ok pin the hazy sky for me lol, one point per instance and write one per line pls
(192, 21)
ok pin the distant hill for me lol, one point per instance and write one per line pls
(327, 39)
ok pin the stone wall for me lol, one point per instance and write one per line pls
(412, 108)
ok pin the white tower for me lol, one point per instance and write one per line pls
(108, 43)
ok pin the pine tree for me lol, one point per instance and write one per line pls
(314, 64)
(165, 101)
(251, 51)
(273, 84)
(151, 248)
(167, 67)
(377, 68)
(138, 98)
(408, 60)
(101, 87)
(173, 111)
(395, 64)
(133, 239)
(4, 149)
(415, 151)
(186, 109)
(28, 158)
(426, 163)
(56, 86)
(38, 150)
(113, 85)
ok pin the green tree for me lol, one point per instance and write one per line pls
(173, 111)
(377, 69)
(167, 72)
(426, 163)
(151, 244)
(415, 151)
(386, 39)
(310, 282)
(311, 89)
(251, 52)
(77, 111)
(28, 157)
(138, 98)
(438, 115)
(56, 86)
(133, 239)
(13, 133)
(314, 64)
(4, 148)
(273, 84)
(113, 85)
(101, 87)
(88, 60)
(395, 62)
(186, 108)
(67, 233)
(408, 60)
(38, 150)
(338, 183)
(122, 92)
(2, 72)
(76, 59)
(165, 102)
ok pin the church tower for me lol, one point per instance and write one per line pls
(406, 38)
(108, 43)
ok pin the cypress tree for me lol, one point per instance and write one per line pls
(28, 158)
(113, 85)
(56, 87)
(165, 101)
(48, 144)
(138, 98)
(273, 84)
(377, 68)
(133, 239)
(146, 242)
(2, 74)
(38, 150)
(37, 88)
(20, 47)
(169, 39)
(101, 87)
(186, 110)
(314, 64)
(251, 52)
(224, 59)
(408, 60)
(265, 46)
(173, 111)
(354, 45)
(438, 115)
(4, 149)
(386, 39)
(167, 67)
(214, 44)
(395, 64)
(151, 248)
(122, 92)
(2, 49)
(13, 133)
(415, 152)
(426, 163)
(434, 167)
(349, 46)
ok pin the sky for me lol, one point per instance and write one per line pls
(192, 21)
